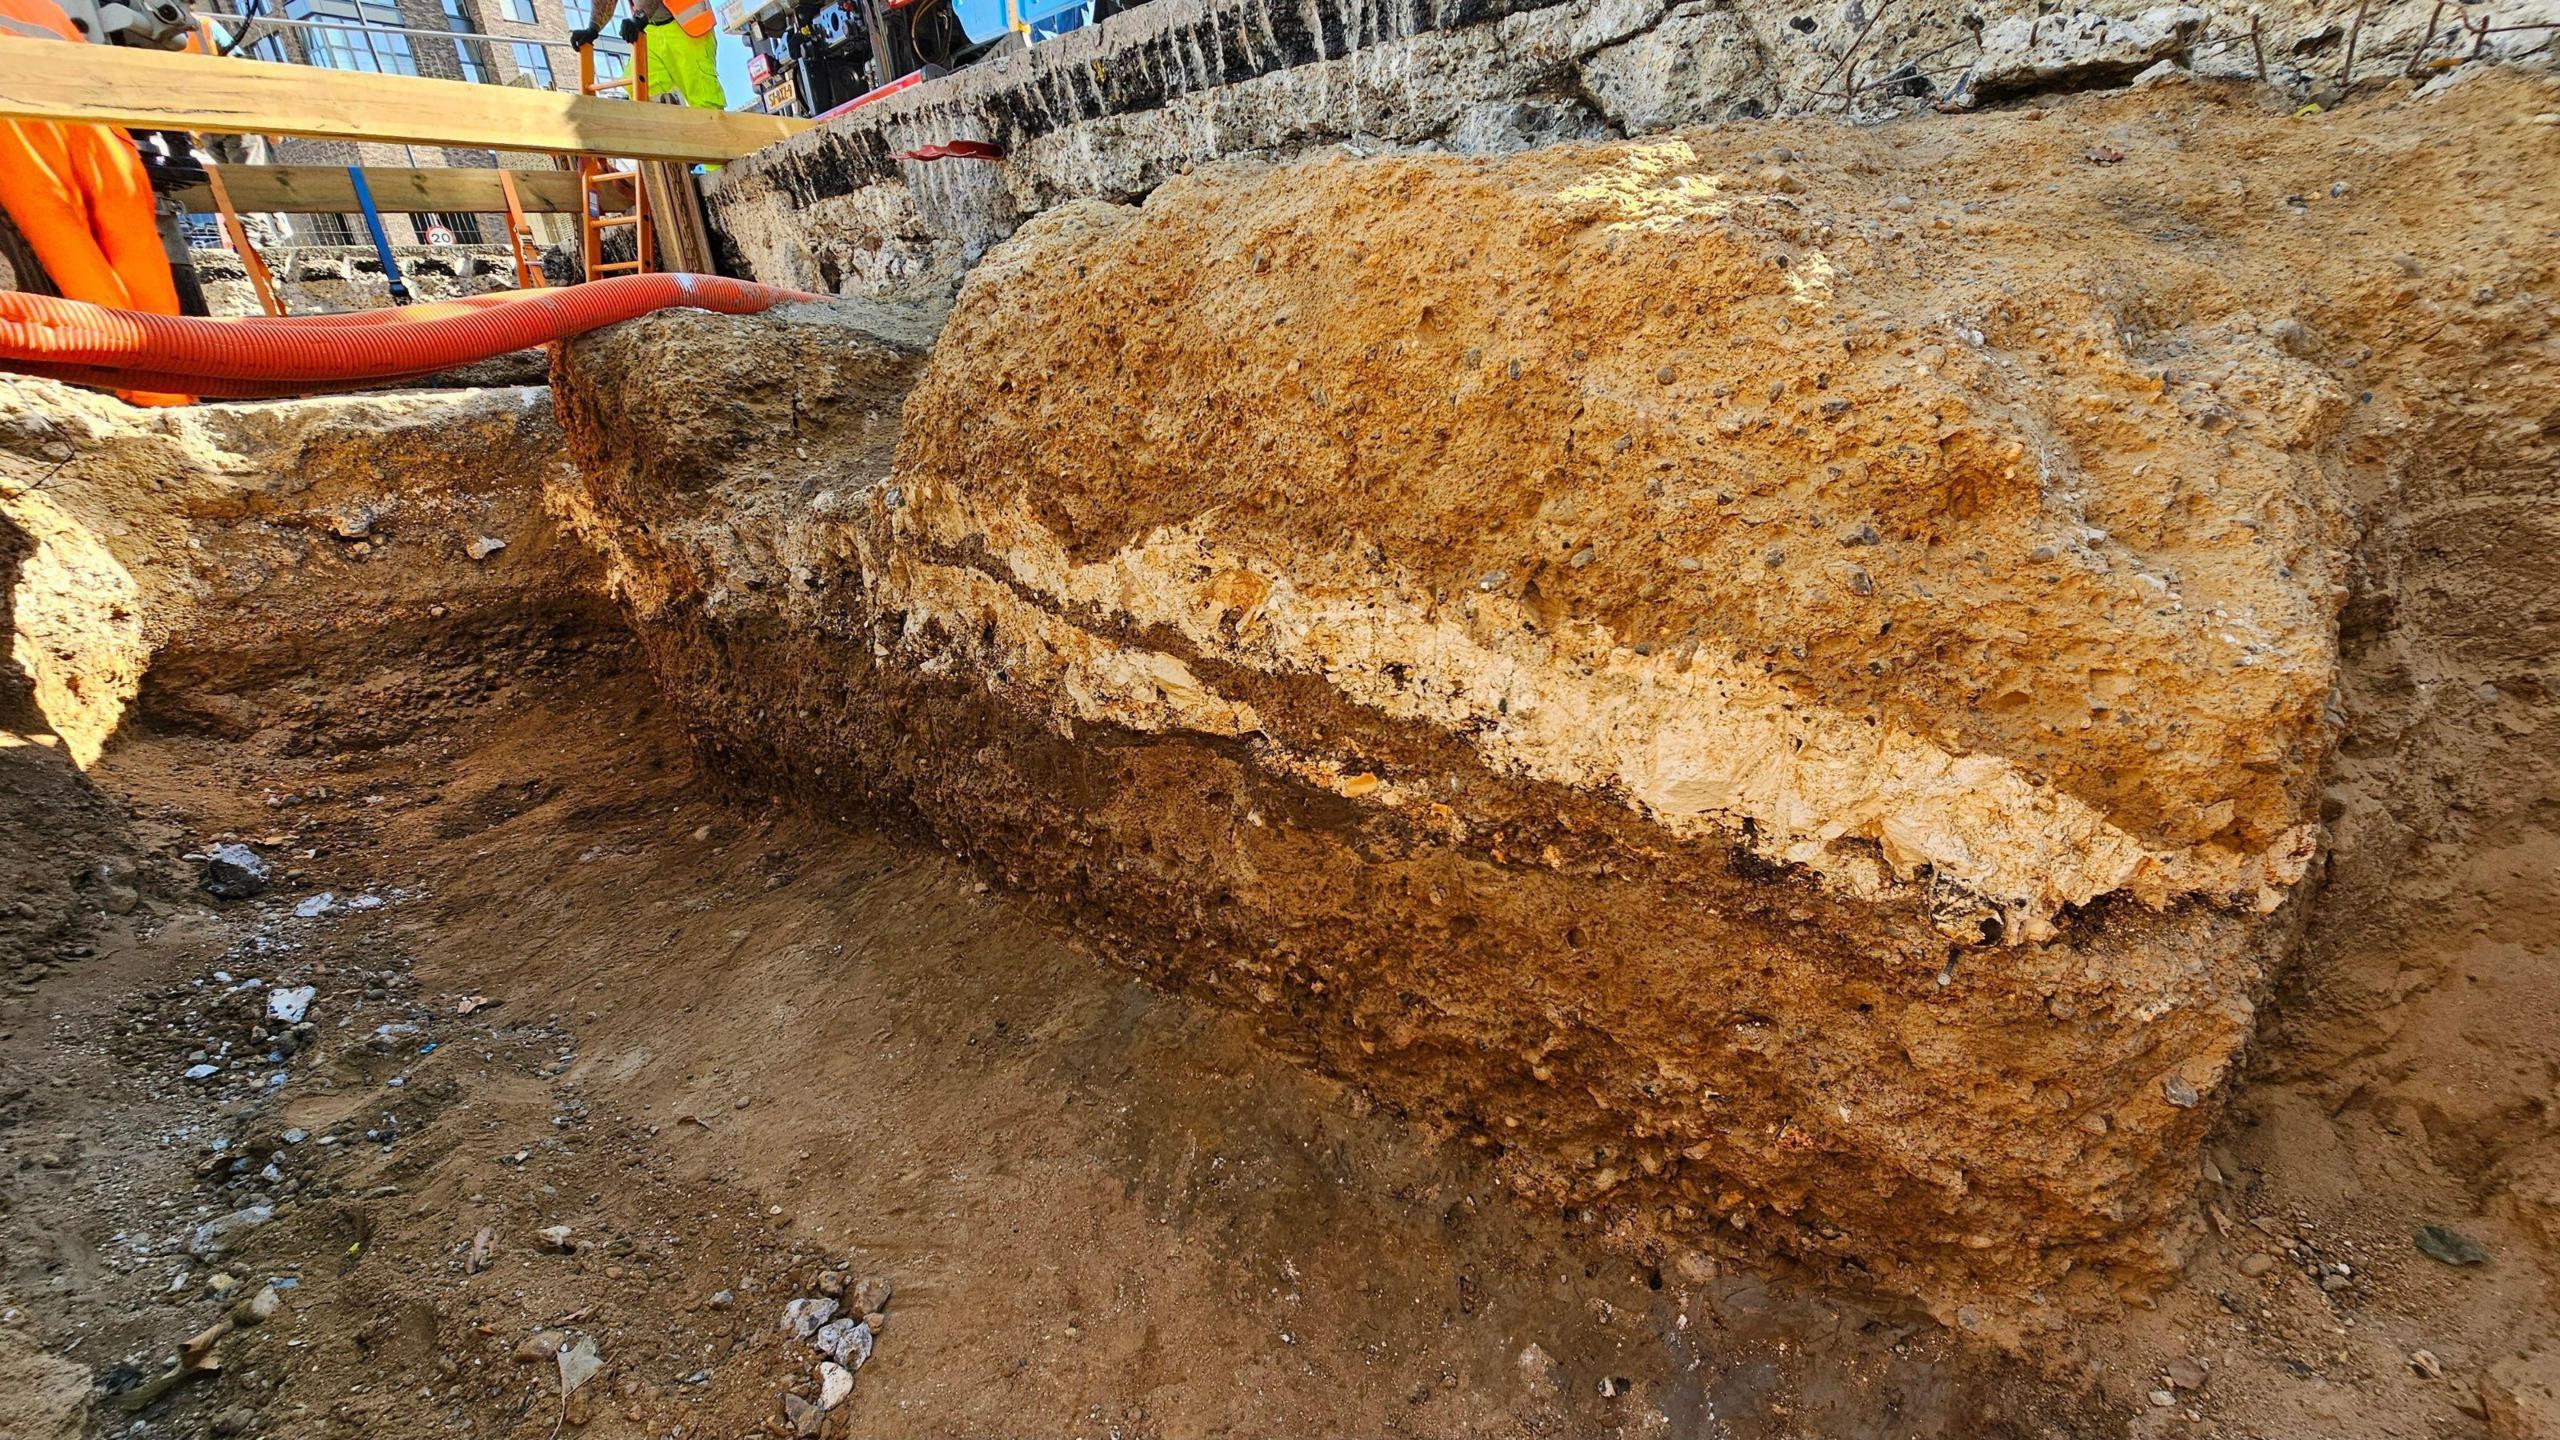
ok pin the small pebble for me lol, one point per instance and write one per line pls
(801, 1318)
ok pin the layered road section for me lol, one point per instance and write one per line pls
(1791, 733)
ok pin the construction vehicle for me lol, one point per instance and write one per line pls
(823, 57)
(156, 24)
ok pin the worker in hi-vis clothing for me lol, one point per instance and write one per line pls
(682, 47)
(78, 195)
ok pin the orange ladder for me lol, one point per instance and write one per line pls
(260, 280)
(520, 236)
(597, 179)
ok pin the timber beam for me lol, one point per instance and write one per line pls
(161, 90)
(326, 190)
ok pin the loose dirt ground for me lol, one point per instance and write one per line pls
(733, 1049)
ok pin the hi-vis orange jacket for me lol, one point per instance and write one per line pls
(78, 195)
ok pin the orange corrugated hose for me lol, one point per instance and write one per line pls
(302, 355)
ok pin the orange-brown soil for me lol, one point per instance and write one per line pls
(749, 1050)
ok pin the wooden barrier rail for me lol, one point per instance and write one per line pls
(156, 89)
(326, 190)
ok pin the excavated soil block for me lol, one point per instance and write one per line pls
(1787, 735)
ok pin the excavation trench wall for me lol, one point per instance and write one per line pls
(241, 568)
(200, 566)
(1112, 111)
(1792, 708)
(1787, 710)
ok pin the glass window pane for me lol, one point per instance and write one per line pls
(472, 54)
(535, 61)
(355, 49)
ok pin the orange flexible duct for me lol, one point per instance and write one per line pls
(257, 356)
(396, 314)
(164, 382)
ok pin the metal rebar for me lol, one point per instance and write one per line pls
(1897, 77)
(2425, 40)
(1854, 42)
(2347, 72)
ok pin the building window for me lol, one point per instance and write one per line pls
(465, 228)
(356, 47)
(325, 229)
(520, 11)
(535, 61)
(473, 55)
(611, 63)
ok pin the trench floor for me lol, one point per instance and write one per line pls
(737, 1051)
(746, 1057)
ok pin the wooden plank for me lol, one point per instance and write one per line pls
(325, 190)
(158, 89)
(676, 208)
(260, 278)
(520, 241)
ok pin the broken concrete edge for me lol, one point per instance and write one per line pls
(1669, 730)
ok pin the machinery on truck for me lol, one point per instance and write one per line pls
(820, 57)
(155, 24)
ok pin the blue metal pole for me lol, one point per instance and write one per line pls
(381, 239)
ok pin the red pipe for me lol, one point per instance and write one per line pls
(954, 150)
(249, 356)
(907, 81)
(397, 314)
